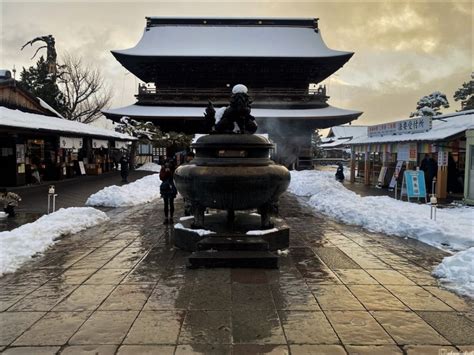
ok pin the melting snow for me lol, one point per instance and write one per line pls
(200, 232)
(141, 191)
(20, 244)
(453, 229)
(150, 167)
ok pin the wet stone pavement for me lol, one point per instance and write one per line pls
(121, 288)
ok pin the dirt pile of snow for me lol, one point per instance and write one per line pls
(457, 272)
(150, 167)
(18, 245)
(141, 191)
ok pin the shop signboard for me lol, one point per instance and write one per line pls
(413, 184)
(70, 142)
(443, 158)
(412, 125)
(100, 143)
(121, 145)
(82, 168)
(396, 173)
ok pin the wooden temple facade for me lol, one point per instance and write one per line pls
(186, 62)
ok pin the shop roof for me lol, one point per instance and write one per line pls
(30, 121)
(231, 37)
(347, 131)
(444, 126)
(151, 112)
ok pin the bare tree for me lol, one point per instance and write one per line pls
(84, 90)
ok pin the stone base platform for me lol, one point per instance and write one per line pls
(187, 238)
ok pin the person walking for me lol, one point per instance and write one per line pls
(168, 189)
(124, 168)
(340, 172)
(10, 200)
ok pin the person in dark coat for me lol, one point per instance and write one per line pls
(124, 168)
(340, 172)
(168, 189)
(430, 167)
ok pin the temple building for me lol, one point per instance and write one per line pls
(186, 62)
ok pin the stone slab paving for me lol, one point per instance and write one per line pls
(122, 288)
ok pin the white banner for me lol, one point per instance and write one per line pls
(121, 145)
(100, 143)
(70, 142)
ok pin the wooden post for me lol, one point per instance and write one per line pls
(352, 178)
(442, 182)
(367, 168)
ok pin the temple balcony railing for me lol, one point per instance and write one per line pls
(313, 96)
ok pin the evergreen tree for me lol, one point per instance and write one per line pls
(41, 84)
(316, 145)
(465, 94)
(430, 105)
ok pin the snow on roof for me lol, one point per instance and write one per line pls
(336, 143)
(20, 119)
(49, 108)
(444, 126)
(168, 40)
(347, 131)
(198, 112)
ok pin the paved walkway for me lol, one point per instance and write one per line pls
(71, 193)
(121, 288)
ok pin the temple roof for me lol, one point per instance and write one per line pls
(217, 52)
(227, 37)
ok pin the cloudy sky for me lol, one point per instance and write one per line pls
(403, 50)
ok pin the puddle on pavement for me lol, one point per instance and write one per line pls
(9, 223)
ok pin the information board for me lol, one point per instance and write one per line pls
(414, 184)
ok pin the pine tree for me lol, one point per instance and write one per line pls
(465, 94)
(41, 84)
(430, 105)
(316, 145)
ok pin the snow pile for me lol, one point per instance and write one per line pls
(141, 191)
(200, 232)
(453, 229)
(457, 272)
(18, 245)
(150, 167)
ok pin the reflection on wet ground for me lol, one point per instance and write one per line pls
(9, 223)
(123, 288)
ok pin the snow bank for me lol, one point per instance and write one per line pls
(18, 245)
(141, 191)
(150, 167)
(457, 272)
(453, 229)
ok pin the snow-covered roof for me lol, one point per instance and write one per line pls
(49, 108)
(444, 126)
(198, 112)
(31, 121)
(336, 143)
(347, 131)
(193, 38)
